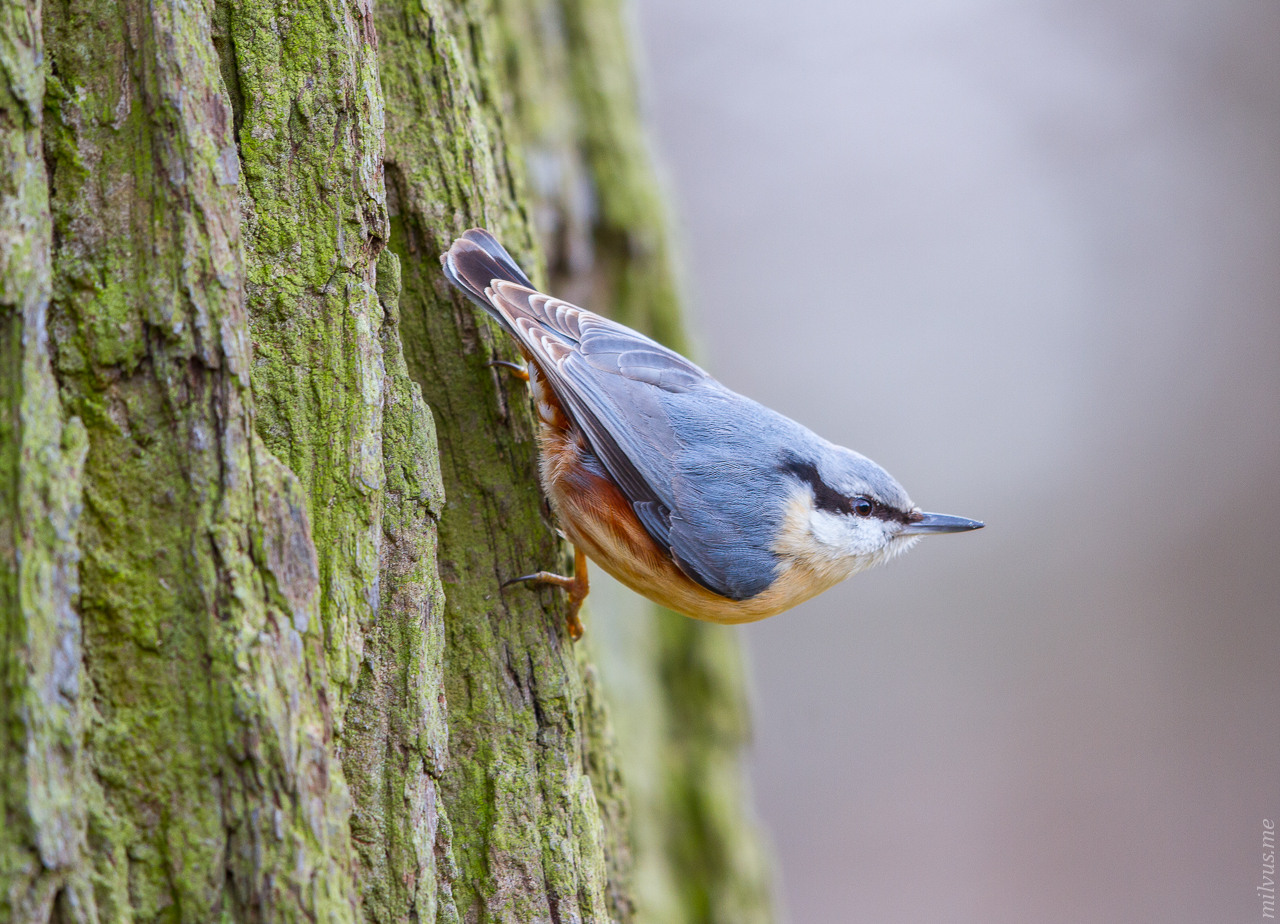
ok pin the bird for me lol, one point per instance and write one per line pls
(701, 499)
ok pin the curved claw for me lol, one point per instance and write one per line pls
(519, 371)
(578, 587)
(541, 577)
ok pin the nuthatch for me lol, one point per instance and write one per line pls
(702, 500)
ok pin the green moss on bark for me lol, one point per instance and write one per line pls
(309, 135)
(335, 401)
(42, 818)
(397, 732)
(213, 788)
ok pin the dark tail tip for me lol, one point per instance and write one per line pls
(475, 260)
(490, 245)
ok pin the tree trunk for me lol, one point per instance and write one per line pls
(254, 666)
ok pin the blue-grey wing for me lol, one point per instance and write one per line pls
(696, 461)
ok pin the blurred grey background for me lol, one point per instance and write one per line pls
(1027, 257)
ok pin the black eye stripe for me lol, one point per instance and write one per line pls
(825, 497)
(829, 499)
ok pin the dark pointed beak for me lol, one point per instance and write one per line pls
(939, 523)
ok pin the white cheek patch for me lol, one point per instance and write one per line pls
(844, 535)
(826, 528)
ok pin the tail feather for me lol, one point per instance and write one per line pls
(499, 253)
(473, 263)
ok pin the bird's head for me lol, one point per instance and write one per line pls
(845, 513)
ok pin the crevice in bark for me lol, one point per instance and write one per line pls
(224, 44)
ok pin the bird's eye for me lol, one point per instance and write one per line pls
(863, 506)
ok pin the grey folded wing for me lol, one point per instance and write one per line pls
(685, 451)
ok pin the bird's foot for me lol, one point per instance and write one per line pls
(577, 587)
(517, 370)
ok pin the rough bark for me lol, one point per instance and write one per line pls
(254, 666)
(41, 462)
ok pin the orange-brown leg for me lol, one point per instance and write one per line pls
(577, 586)
(517, 370)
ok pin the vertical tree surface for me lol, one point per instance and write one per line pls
(261, 486)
